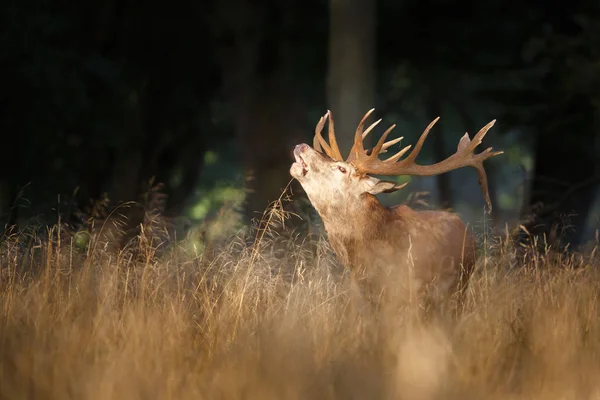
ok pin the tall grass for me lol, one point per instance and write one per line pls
(278, 319)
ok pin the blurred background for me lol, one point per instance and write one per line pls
(203, 101)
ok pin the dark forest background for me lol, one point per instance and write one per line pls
(103, 101)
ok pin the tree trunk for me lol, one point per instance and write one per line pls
(257, 62)
(351, 73)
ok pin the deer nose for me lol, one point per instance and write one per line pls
(301, 147)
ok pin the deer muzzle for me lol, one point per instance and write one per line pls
(299, 168)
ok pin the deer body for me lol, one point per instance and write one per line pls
(388, 245)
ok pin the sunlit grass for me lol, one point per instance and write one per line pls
(278, 319)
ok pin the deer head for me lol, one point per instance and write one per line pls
(329, 180)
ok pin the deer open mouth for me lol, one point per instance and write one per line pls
(300, 161)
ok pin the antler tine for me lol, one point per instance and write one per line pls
(357, 148)
(370, 128)
(482, 176)
(386, 145)
(381, 142)
(389, 144)
(413, 154)
(318, 140)
(479, 136)
(397, 156)
(332, 142)
(318, 130)
(352, 155)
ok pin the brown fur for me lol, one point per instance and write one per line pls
(381, 241)
(385, 246)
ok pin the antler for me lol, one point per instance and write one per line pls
(368, 162)
(332, 149)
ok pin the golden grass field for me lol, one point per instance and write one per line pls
(278, 320)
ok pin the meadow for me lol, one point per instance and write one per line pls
(272, 316)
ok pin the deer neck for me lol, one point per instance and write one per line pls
(356, 229)
(353, 219)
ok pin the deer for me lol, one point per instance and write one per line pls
(435, 249)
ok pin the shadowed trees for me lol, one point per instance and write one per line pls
(567, 163)
(105, 97)
(534, 68)
(269, 63)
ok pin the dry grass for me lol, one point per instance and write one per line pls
(277, 320)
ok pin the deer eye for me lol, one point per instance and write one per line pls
(342, 169)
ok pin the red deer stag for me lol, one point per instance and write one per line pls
(435, 247)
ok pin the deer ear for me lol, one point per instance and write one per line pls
(376, 186)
